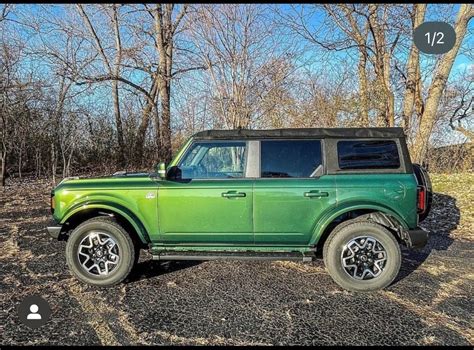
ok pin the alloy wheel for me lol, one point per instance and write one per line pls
(364, 258)
(98, 253)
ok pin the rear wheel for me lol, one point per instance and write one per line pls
(100, 252)
(362, 256)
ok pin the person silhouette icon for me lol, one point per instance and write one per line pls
(34, 315)
(34, 311)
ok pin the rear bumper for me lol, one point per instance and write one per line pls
(54, 231)
(416, 238)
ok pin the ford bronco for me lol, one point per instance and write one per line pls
(351, 194)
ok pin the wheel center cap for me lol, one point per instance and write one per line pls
(363, 258)
(99, 253)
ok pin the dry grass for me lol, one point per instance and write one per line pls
(461, 187)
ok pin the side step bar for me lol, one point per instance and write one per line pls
(196, 255)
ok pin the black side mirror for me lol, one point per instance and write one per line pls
(174, 173)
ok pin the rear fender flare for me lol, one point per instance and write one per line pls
(328, 217)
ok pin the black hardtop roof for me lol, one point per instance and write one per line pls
(301, 133)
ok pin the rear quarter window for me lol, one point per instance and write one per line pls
(370, 154)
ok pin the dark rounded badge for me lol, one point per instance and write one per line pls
(434, 37)
(34, 311)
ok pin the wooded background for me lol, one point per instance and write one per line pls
(100, 88)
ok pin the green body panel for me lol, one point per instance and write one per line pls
(196, 212)
(133, 197)
(274, 215)
(394, 194)
(282, 213)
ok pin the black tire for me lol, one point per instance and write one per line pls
(344, 233)
(127, 251)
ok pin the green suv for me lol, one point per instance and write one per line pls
(285, 194)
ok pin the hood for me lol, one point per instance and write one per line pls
(117, 180)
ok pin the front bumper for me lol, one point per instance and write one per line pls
(54, 231)
(416, 238)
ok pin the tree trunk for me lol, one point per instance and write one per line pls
(68, 167)
(141, 134)
(63, 153)
(142, 128)
(413, 67)
(441, 74)
(363, 90)
(38, 163)
(166, 123)
(20, 156)
(118, 123)
(3, 170)
(115, 90)
(381, 96)
(158, 135)
(53, 163)
(386, 103)
(390, 98)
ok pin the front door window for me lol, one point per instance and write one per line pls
(211, 160)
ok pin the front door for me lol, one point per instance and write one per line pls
(291, 193)
(212, 203)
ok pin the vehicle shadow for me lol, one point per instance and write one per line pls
(151, 268)
(444, 217)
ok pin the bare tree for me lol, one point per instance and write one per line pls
(244, 64)
(113, 70)
(441, 74)
(5, 9)
(370, 30)
(11, 99)
(412, 97)
(463, 101)
(358, 32)
(167, 21)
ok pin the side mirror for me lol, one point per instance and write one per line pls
(161, 170)
(174, 173)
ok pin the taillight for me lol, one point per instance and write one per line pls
(421, 200)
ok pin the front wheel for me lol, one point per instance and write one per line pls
(362, 256)
(100, 252)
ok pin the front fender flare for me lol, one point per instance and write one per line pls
(113, 207)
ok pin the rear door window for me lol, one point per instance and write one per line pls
(371, 154)
(290, 158)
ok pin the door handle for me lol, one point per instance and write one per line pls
(231, 194)
(316, 194)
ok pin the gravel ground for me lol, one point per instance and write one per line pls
(238, 303)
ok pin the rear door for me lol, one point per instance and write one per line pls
(291, 193)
